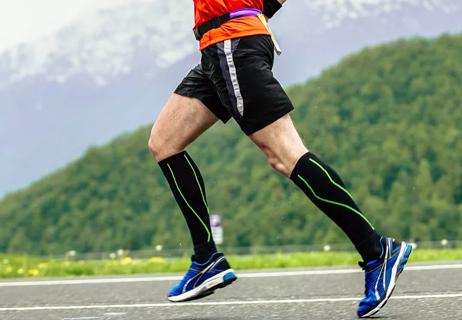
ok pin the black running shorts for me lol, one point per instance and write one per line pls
(235, 80)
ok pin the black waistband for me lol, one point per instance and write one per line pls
(211, 24)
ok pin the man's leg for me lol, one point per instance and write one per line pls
(180, 122)
(384, 259)
(193, 109)
(288, 155)
(240, 70)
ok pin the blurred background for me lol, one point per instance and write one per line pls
(376, 86)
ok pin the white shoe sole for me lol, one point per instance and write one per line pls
(215, 282)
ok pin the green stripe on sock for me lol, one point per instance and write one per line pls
(197, 180)
(335, 203)
(330, 178)
(198, 217)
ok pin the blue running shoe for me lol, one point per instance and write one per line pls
(203, 279)
(381, 276)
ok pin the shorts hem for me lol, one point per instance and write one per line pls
(188, 94)
(263, 124)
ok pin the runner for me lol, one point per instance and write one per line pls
(234, 80)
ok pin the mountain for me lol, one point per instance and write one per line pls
(111, 70)
(388, 119)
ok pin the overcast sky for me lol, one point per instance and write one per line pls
(26, 20)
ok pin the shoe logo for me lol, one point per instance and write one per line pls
(200, 274)
(383, 273)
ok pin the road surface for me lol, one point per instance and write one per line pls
(424, 292)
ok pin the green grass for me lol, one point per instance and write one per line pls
(29, 267)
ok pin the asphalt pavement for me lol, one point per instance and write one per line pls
(424, 292)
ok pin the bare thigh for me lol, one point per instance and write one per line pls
(180, 122)
(281, 144)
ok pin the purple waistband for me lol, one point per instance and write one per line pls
(245, 12)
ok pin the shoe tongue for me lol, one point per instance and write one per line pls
(200, 263)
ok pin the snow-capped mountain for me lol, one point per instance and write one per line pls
(111, 70)
(109, 43)
(113, 42)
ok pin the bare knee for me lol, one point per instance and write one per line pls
(279, 166)
(160, 147)
(276, 162)
(179, 123)
(281, 144)
(155, 145)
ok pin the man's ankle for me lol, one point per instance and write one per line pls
(204, 251)
(372, 248)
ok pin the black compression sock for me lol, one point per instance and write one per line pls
(327, 191)
(188, 188)
(203, 252)
(372, 248)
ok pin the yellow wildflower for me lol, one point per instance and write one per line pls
(126, 261)
(157, 261)
(34, 272)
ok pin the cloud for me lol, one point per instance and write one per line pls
(106, 42)
(334, 12)
(103, 39)
(22, 21)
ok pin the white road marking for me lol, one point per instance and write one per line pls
(114, 314)
(268, 274)
(82, 318)
(225, 303)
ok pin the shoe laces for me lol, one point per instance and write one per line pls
(191, 273)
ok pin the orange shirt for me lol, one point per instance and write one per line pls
(205, 10)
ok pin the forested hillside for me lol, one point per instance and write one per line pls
(389, 119)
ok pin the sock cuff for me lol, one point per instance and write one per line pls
(303, 159)
(374, 243)
(204, 251)
(164, 162)
(206, 246)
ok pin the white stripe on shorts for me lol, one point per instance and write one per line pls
(233, 74)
